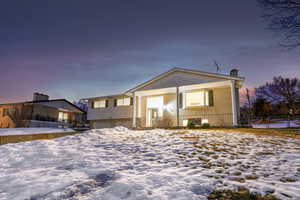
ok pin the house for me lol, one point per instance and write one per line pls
(41, 112)
(175, 98)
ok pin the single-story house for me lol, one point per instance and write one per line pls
(41, 112)
(175, 98)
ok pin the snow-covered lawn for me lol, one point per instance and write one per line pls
(114, 164)
(30, 131)
(282, 124)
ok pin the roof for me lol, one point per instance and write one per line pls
(42, 101)
(177, 69)
(106, 96)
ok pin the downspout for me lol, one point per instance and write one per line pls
(234, 104)
(134, 111)
(177, 105)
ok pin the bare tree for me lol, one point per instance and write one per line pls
(249, 104)
(284, 91)
(284, 17)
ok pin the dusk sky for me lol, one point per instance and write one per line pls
(83, 48)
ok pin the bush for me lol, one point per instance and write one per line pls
(165, 122)
(205, 125)
(191, 125)
(240, 194)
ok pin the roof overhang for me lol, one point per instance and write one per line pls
(207, 74)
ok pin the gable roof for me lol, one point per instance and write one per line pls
(43, 101)
(106, 96)
(176, 69)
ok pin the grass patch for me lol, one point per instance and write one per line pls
(240, 194)
(238, 179)
(283, 132)
(30, 137)
(181, 132)
(251, 177)
(262, 153)
(287, 180)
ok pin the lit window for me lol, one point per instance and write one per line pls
(123, 101)
(155, 102)
(200, 98)
(204, 121)
(62, 117)
(185, 122)
(100, 104)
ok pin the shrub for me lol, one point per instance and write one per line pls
(191, 125)
(165, 122)
(205, 125)
(240, 194)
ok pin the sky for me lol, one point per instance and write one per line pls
(77, 49)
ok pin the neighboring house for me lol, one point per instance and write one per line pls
(172, 99)
(41, 112)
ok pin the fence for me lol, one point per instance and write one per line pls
(220, 120)
(273, 121)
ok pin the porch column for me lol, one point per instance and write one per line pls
(177, 106)
(134, 111)
(139, 107)
(234, 103)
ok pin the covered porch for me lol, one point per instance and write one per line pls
(215, 103)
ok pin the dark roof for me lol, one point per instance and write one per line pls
(106, 96)
(42, 101)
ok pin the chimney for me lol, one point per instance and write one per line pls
(234, 72)
(40, 97)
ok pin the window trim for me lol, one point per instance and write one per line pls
(104, 102)
(65, 117)
(123, 102)
(205, 99)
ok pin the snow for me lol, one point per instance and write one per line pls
(30, 131)
(283, 124)
(117, 163)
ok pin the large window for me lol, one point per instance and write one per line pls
(199, 98)
(155, 102)
(99, 104)
(62, 117)
(124, 101)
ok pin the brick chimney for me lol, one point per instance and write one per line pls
(40, 97)
(234, 72)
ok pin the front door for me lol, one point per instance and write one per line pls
(152, 116)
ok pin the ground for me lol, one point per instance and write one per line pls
(114, 164)
(31, 131)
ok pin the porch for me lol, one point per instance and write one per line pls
(215, 103)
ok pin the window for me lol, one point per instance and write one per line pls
(99, 104)
(200, 98)
(62, 117)
(124, 101)
(155, 102)
(5, 112)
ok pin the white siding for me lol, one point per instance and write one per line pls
(111, 123)
(111, 112)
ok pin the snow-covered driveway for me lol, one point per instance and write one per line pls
(114, 164)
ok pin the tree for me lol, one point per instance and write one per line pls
(249, 102)
(262, 108)
(284, 17)
(283, 91)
